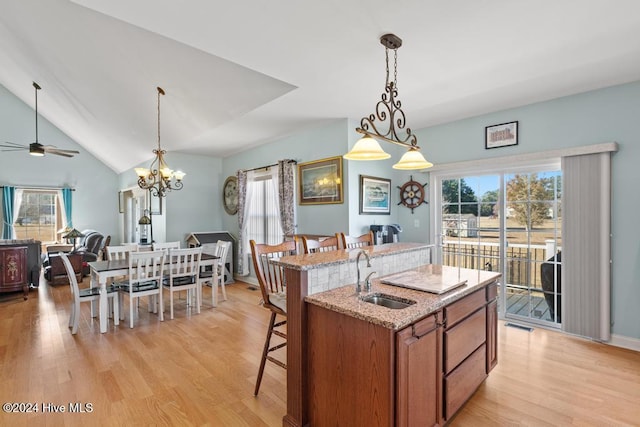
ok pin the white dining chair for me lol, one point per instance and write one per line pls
(182, 275)
(91, 295)
(120, 252)
(144, 279)
(221, 249)
(165, 246)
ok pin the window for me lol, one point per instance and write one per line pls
(263, 219)
(38, 216)
(506, 220)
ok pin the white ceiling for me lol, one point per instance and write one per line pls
(239, 74)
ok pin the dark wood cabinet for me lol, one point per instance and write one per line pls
(350, 375)
(466, 342)
(362, 373)
(492, 326)
(13, 270)
(365, 374)
(419, 374)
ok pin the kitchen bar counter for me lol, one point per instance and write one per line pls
(344, 300)
(419, 364)
(331, 258)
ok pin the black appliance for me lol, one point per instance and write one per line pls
(385, 233)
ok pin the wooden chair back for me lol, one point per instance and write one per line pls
(349, 242)
(320, 245)
(270, 276)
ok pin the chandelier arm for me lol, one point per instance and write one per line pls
(413, 141)
(389, 107)
(154, 180)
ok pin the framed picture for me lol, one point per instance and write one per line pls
(320, 181)
(120, 202)
(375, 195)
(501, 135)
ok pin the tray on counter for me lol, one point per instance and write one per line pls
(420, 280)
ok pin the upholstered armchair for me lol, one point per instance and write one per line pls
(91, 247)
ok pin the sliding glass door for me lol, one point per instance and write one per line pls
(508, 222)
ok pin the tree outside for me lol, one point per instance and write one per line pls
(528, 199)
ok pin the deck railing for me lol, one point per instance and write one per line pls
(523, 261)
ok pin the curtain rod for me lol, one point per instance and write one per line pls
(25, 187)
(267, 166)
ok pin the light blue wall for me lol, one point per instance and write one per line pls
(326, 141)
(333, 139)
(95, 201)
(606, 115)
(195, 208)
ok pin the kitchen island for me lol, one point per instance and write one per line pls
(373, 365)
(322, 320)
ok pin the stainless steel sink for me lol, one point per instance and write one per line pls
(388, 301)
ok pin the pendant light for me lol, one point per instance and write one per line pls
(389, 115)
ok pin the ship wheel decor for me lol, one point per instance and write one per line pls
(412, 194)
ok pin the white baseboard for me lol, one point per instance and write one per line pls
(625, 342)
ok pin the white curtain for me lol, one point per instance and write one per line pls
(63, 209)
(17, 202)
(259, 212)
(244, 204)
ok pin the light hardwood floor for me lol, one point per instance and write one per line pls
(201, 369)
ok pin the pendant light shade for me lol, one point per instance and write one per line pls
(412, 159)
(367, 148)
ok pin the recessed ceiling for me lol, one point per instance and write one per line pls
(239, 74)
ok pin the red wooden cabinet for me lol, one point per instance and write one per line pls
(13, 270)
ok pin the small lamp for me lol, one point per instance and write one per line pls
(73, 234)
(145, 222)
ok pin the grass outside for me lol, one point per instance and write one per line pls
(44, 232)
(489, 232)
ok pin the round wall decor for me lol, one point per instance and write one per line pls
(230, 195)
(412, 194)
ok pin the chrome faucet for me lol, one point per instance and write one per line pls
(362, 252)
(367, 282)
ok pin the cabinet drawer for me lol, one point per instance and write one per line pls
(463, 382)
(492, 291)
(462, 308)
(461, 340)
(424, 326)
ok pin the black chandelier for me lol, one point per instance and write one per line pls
(159, 178)
(387, 121)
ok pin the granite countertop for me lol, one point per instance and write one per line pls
(322, 259)
(344, 299)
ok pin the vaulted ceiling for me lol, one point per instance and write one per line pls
(240, 74)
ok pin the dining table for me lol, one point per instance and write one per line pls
(102, 271)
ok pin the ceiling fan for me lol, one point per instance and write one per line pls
(35, 148)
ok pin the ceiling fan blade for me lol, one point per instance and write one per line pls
(59, 153)
(65, 153)
(13, 146)
(52, 148)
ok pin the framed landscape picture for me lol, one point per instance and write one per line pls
(320, 181)
(375, 195)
